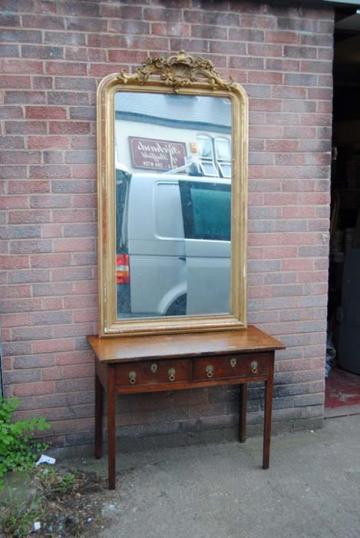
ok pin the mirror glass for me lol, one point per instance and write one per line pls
(173, 204)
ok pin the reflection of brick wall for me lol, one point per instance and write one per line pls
(53, 55)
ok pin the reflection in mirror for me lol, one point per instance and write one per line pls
(173, 204)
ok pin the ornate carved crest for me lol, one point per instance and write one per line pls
(177, 71)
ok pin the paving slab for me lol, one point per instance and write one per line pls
(312, 489)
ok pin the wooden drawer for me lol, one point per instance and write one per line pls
(244, 365)
(153, 372)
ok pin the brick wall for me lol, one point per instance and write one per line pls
(53, 53)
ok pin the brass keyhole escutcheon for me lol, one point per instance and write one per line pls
(132, 377)
(254, 367)
(171, 374)
(209, 370)
(233, 362)
(154, 367)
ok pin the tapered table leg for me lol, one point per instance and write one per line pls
(267, 421)
(99, 410)
(111, 415)
(242, 412)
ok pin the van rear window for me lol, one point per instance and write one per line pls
(206, 210)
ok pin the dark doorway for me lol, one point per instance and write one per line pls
(343, 346)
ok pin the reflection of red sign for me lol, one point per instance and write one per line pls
(153, 154)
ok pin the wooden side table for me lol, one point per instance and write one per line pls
(138, 364)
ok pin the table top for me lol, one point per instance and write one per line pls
(125, 348)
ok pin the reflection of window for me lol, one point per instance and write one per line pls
(223, 156)
(206, 154)
(214, 155)
(206, 210)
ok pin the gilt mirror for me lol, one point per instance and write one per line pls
(172, 199)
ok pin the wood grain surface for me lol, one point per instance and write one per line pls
(136, 348)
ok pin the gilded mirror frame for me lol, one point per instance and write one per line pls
(185, 75)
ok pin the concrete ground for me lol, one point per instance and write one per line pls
(312, 488)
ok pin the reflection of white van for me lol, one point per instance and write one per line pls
(173, 244)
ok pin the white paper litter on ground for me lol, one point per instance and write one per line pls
(36, 526)
(45, 459)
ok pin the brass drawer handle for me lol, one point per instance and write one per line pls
(233, 362)
(209, 370)
(171, 374)
(154, 367)
(254, 367)
(132, 377)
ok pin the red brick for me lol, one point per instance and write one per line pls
(299, 264)
(12, 142)
(75, 83)
(84, 171)
(85, 301)
(95, 55)
(52, 230)
(29, 389)
(51, 303)
(43, 22)
(264, 49)
(69, 127)
(25, 127)
(80, 54)
(50, 260)
(101, 70)
(74, 215)
(78, 244)
(78, 370)
(9, 20)
(29, 216)
(52, 373)
(83, 142)
(15, 81)
(65, 68)
(50, 346)
(68, 98)
(126, 56)
(221, 47)
(21, 66)
(21, 36)
(275, 64)
(162, 14)
(208, 31)
(20, 305)
(24, 97)
(29, 276)
(45, 112)
(11, 112)
(46, 142)
(86, 24)
(28, 187)
(265, 77)
(13, 202)
(281, 145)
(42, 83)
(85, 315)
(50, 201)
(73, 329)
(17, 292)
(50, 171)
(30, 246)
(20, 157)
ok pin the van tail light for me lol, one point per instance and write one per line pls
(122, 269)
